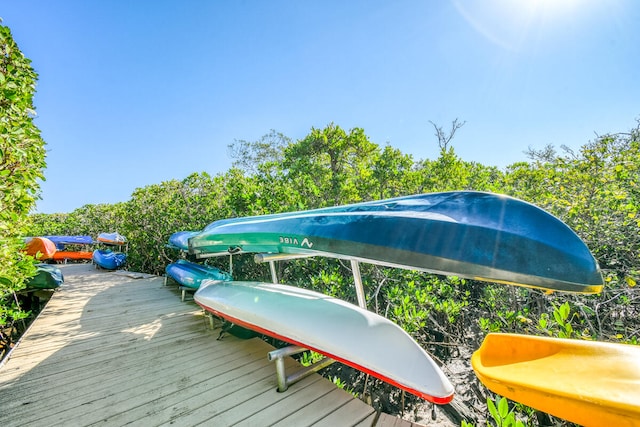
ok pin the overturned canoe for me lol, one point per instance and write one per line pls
(180, 239)
(191, 275)
(40, 248)
(475, 235)
(108, 259)
(586, 382)
(47, 277)
(72, 255)
(335, 328)
(62, 241)
(112, 238)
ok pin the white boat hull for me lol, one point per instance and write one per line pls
(335, 328)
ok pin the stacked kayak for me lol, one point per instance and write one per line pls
(180, 240)
(47, 277)
(191, 275)
(112, 238)
(109, 260)
(72, 255)
(63, 253)
(476, 235)
(62, 241)
(40, 248)
(586, 382)
(332, 327)
(106, 258)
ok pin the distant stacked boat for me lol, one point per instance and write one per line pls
(47, 277)
(75, 248)
(107, 258)
(112, 239)
(40, 248)
(62, 254)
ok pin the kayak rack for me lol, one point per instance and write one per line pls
(230, 253)
(271, 258)
(183, 289)
(284, 380)
(355, 269)
(278, 355)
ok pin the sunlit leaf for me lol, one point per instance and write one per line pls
(503, 407)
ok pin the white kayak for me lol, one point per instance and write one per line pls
(332, 327)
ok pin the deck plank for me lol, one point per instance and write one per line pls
(354, 409)
(113, 349)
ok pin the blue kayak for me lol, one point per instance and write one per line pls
(191, 275)
(61, 241)
(180, 240)
(476, 235)
(108, 259)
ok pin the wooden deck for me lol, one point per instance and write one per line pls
(113, 348)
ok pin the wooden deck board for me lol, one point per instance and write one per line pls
(352, 409)
(112, 349)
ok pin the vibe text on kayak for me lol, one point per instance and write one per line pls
(294, 241)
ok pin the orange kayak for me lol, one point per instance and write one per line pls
(586, 382)
(40, 248)
(64, 255)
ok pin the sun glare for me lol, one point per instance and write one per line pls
(510, 23)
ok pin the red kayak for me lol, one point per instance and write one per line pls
(75, 255)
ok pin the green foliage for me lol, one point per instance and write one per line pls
(427, 299)
(257, 157)
(56, 224)
(596, 192)
(501, 414)
(393, 174)
(563, 323)
(22, 159)
(341, 384)
(331, 166)
(308, 358)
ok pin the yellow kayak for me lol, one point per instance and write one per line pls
(586, 382)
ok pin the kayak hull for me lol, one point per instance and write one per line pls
(191, 275)
(109, 260)
(335, 328)
(47, 277)
(40, 248)
(61, 241)
(475, 235)
(586, 382)
(112, 239)
(72, 255)
(180, 239)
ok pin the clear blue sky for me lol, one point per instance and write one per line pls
(133, 93)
